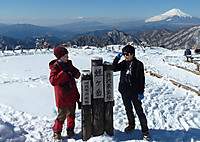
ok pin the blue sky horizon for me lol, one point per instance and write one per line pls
(56, 12)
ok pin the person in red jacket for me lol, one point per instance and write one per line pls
(62, 77)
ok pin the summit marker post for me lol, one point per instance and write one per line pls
(108, 99)
(98, 96)
(86, 111)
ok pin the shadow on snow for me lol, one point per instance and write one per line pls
(160, 135)
(8, 132)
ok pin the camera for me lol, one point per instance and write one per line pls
(128, 78)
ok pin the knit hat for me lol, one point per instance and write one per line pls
(60, 51)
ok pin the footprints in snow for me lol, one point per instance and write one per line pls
(34, 81)
(166, 110)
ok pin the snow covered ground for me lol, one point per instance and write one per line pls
(27, 105)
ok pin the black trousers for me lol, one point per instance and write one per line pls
(130, 100)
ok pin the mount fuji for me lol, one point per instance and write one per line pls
(174, 16)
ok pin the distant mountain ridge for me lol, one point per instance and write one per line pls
(110, 38)
(172, 20)
(183, 38)
(155, 30)
(180, 39)
(152, 37)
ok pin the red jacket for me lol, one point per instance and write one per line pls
(66, 92)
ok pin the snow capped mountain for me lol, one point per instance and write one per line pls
(168, 15)
(177, 12)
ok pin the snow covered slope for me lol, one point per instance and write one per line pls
(28, 112)
(168, 15)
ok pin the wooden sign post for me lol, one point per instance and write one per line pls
(86, 105)
(108, 99)
(98, 97)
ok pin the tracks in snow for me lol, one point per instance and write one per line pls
(31, 81)
(32, 127)
(178, 76)
(167, 108)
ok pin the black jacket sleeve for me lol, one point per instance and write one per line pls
(118, 66)
(141, 77)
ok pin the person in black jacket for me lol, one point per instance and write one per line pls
(131, 87)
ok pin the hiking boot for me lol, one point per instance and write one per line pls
(57, 135)
(146, 135)
(70, 132)
(129, 128)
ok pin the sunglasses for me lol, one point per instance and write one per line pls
(126, 54)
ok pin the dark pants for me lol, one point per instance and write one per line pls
(129, 99)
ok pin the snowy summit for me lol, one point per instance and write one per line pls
(28, 111)
(168, 15)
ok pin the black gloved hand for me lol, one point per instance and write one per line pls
(66, 70)
(79, 105)
(72, 73)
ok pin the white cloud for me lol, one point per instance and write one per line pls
(80, 17)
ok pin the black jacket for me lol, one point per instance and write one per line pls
(137, 81)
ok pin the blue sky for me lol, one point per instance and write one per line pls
(53, 12)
